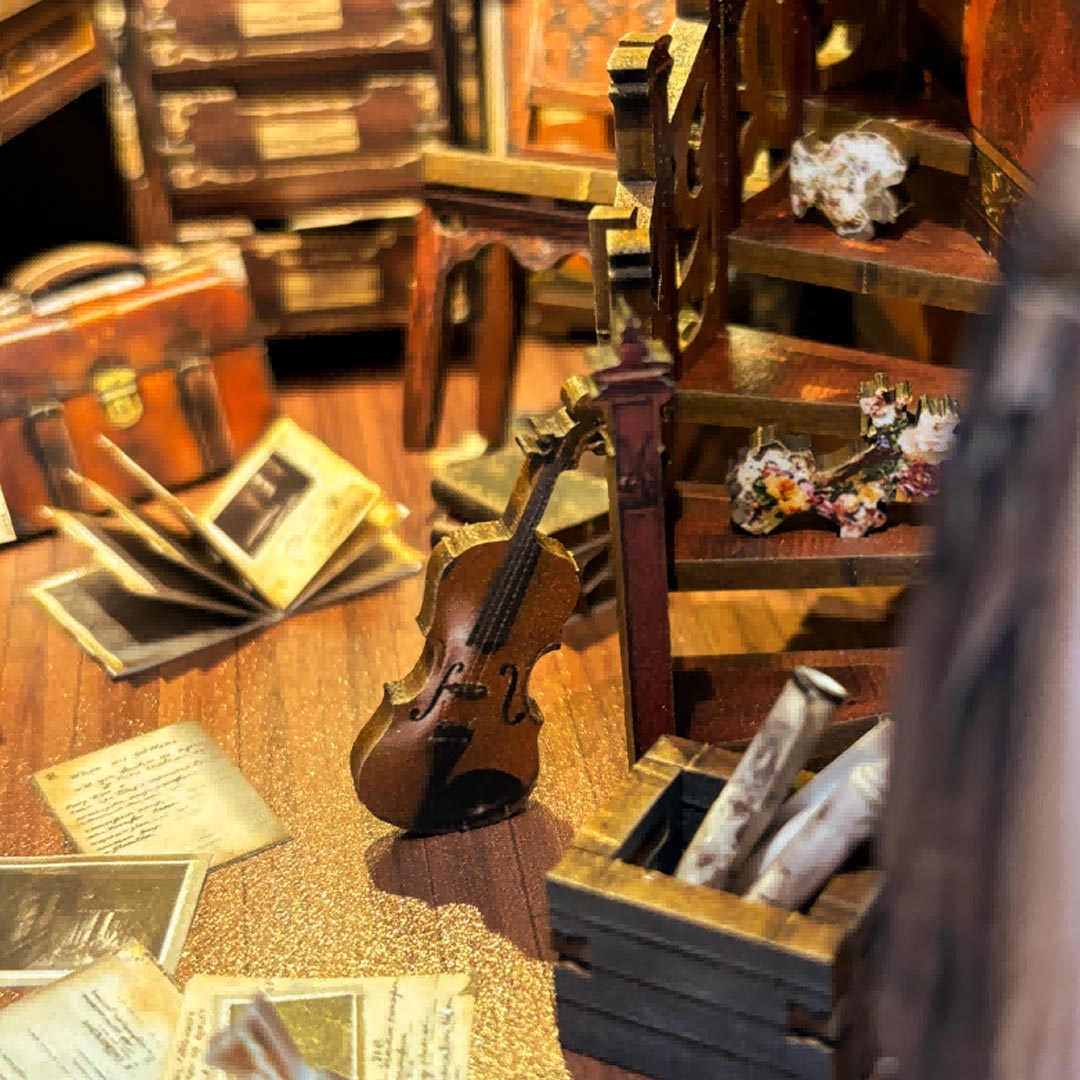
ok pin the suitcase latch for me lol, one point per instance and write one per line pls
(117, 389)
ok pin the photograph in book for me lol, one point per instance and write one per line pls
(58, 914)
(263, 503)
(292, 526)
(283, 512)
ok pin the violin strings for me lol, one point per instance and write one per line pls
(511, 579)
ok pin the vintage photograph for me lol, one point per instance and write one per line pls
(59, 914)
(263, 503)
(325, 1027)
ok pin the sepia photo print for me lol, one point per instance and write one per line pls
(59, 914)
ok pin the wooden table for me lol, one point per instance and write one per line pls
(348, 896)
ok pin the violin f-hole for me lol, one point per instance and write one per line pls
(513, 672)
(444, 687)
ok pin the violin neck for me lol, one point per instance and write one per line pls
(524, 512)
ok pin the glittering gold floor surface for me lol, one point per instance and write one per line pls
(348, 896)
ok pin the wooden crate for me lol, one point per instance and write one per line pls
(684, 982)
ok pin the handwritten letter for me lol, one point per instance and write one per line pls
(169, 792)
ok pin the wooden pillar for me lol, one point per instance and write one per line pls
(634, 383)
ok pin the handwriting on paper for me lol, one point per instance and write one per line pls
(112, 1018)
(171, 791)
(355, 1029)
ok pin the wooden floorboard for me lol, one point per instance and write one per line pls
(348, 896)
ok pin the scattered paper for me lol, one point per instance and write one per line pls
(7, 529)
(359, 1029)
(61, 913)
(112, 1020)
(169, 792)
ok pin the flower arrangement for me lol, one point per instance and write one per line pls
(898, 460)
(851, 180)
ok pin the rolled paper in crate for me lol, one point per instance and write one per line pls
(874, 747)
(848, 815)
(745, 807)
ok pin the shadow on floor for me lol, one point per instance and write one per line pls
(498, 870)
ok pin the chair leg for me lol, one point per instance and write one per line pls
(496, 329)
(425, 369)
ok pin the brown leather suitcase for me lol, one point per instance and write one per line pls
(159, 351)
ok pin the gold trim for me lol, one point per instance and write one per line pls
(272, 18)
(278, 138)
(513, 176)
(1000, 161)
(328, 290)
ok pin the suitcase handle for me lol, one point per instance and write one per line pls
(44, 274)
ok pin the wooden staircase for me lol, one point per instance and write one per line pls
(649, 251)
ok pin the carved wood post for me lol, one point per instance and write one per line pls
(634, 382)
(729, 14)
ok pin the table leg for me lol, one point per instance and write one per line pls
(496, 329)
(425, 369)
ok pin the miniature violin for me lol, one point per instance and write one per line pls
(453, 745)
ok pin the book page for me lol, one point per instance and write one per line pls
(142, 571)
(128, 633)
(382, 518)
(388, 560)
(289, 505)
(191, 551)
(169, 792)
(279, 514)
(358, 1029)
(112, 1020)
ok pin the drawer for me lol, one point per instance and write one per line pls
(193, 35)
(350, 276)
(49, 55)
(265, 155)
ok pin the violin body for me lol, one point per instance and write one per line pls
(454, 744)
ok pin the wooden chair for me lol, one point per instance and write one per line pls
(663, 249)
(524, 206)
(519, 212)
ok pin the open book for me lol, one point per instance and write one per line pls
(293, 526)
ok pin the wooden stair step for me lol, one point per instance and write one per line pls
(924, 261)
(925, 129)
(711, 554)
(753, 377)
(724, 699)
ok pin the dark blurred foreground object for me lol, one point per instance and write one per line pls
(158, 350)
(979, 965)
(49, 55)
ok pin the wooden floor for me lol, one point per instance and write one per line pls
(348, 896)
